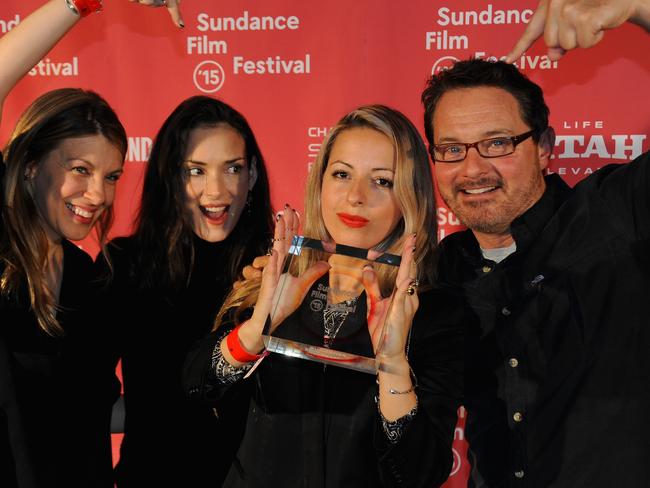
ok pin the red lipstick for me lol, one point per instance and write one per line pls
(354, 221)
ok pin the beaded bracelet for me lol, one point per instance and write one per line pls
(237, 350)
(84, 7)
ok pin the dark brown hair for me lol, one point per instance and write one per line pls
(52, 118)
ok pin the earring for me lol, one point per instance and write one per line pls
(249, 201)
(29, 172)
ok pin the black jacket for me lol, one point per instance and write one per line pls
(312, 426)
(54, 419)
(168, 439)
(556, 381)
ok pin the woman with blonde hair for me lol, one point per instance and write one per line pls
(315, 425)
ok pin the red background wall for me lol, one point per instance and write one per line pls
(366, 51)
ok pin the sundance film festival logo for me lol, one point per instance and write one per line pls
(443, 64)
(209, 76)
(319, 299)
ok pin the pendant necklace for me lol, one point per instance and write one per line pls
(334, 316)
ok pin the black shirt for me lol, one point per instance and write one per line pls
(318, 427)
(166, 436)
(558, 360)
(54, 424)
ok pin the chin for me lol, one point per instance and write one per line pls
(214, 239)
(212, 235)
(75, 236)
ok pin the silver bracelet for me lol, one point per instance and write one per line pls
(414, 383)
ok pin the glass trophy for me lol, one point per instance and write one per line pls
(323, 312)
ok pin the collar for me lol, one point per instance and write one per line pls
(525, 228)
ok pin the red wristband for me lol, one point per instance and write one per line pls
(85, 7)
(237, 350)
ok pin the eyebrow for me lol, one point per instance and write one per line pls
(89, 163)
(74, 158)
(487, 135)
(203, 163)
(352, 167)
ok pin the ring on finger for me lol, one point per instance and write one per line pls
(412, 288)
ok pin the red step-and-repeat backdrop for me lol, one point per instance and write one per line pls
(294, 67)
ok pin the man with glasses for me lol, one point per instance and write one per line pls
(558, 279)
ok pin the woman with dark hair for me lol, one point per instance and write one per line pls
(205, 213)
(57, 183)
(315, 425)
(62, 161)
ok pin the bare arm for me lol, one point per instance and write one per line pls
(397, 396)
(25, 45)
(567, 24)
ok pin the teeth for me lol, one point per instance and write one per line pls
(79, 211)
(476, 191)
(215, 209)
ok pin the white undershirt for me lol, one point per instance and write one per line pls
(498, 254)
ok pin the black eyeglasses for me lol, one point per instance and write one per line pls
(495, 147)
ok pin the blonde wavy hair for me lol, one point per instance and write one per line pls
(413, 187)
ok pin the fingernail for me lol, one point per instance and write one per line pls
(181, 24)
(286, 205)
(278, 216)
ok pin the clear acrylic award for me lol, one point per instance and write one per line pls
(330, 318)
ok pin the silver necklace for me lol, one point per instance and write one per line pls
(334, 316)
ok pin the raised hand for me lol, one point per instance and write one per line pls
(173, 7)
(567, 24)
(293, 290)
(397, 394)
(396, 311)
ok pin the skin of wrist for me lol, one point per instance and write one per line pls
(394, 365)
(394, 406)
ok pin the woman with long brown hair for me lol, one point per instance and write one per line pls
(205, 212)
(57, 184)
